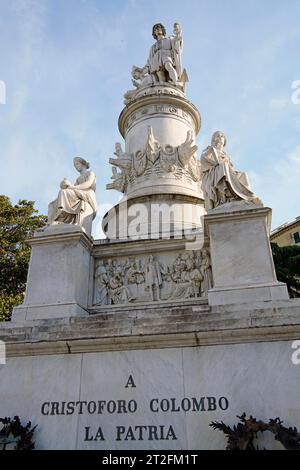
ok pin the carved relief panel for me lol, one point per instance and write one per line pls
(152, 278)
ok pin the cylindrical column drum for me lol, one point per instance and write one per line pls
(173, 121)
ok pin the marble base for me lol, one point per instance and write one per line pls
(247, 294)
(241, 257)
(41, 312)
(59, 274)
(152, 379)
(153, 399)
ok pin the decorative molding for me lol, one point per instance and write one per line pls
(156, 341)
(187, 325)
(155, 162)
(159, 100)
(61, 237)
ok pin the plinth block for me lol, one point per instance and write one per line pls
(58, 277)
(241, 257)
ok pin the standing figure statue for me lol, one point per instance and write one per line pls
(206, 271)
(164, 62)
(220, 181)
(101, 283)
(153, 278)
(76, 203)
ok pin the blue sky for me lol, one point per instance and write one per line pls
(66, 65)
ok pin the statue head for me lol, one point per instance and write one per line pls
(177, 28)
(137, 73)
(79, 161)
(218, 139)
(160, 29)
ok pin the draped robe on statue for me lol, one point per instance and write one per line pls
(75, 206)
(163, 51)
(220, 181)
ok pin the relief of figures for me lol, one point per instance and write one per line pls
(150, 279)
(153, 276)
(191, 274)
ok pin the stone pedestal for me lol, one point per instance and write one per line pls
(241, 258)
(59, 274)
(152, 379)
(122, 343)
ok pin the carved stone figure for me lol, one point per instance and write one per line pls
(187, 277)
(187, 156)
(118, 293)
(206, 271)
(150, 154)
(119, 181)
(180, 162)
(220, 181)
(76, 204)
(101, 283)
(119, 281)
(177, 268)
(124, 163)
(153, 278)
(195, 277)
(141, 78)
(134, 273)
(164, 61)
(124, 159)
(152, 146)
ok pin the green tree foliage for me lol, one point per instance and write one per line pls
(287, 265)
(17, 224)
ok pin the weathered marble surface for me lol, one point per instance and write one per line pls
(26, 382)
(153, 163)
(149, 278)
(241, 257)
(163, 325)
(241, 352)
(258, 378)
(58, 277)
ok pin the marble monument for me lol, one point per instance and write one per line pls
(176, 319)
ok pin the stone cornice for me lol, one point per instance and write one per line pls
(159, 100)
(177, 327)
(61, 237)
(242, 214)
(227, 216)
(122, 248)
(171, 340)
